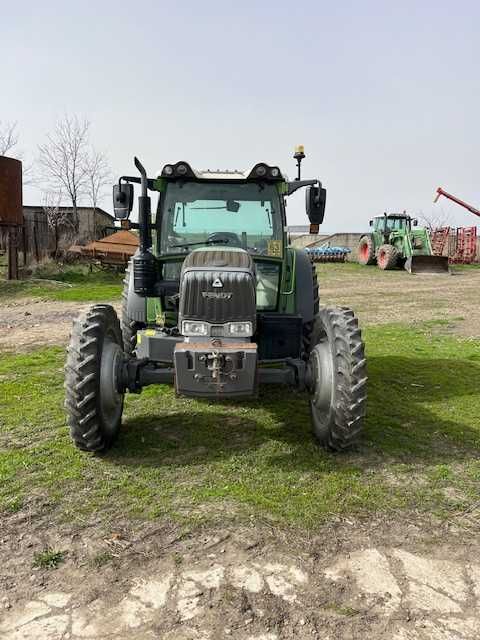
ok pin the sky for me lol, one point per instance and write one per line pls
(385, 96)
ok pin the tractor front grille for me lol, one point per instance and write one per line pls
(218, 287)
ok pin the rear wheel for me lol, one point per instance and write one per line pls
(387, 257)
(337, 379)
(94, 406)
(366, 251)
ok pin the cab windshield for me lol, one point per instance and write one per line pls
(390, 224)
(195, 214)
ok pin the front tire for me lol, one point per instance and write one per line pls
(387, 257)
(337, 379)
(93, 405)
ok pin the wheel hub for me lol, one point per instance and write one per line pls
(321, 377)
(110, 399)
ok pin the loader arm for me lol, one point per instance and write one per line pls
(465, 205)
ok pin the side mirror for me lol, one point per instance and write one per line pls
(315, 200)
(122, 200)
(415, 223)
(370, 222)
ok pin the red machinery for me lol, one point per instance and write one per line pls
(441, 192)
(465, 241)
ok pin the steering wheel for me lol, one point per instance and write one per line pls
(226, 236)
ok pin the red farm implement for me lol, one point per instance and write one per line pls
(461, 242)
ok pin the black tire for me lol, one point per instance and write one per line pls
(387, 257)
(366, 251)
(337, 379)
(94, 407)
(308, 326)
(129, 326)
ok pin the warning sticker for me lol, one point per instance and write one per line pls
(274, 248)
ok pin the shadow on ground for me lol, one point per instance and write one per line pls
(418, 409)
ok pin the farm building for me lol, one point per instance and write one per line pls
(93, 223)
(42, 237)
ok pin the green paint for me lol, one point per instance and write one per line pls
(155, 313)
(399, 232)
(159, 184)
(287, 285)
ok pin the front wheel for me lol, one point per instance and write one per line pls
(337, 379)
(94, 356)
(387, 257)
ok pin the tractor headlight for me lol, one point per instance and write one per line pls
(190, 328)
(239, 329)
(168, 170)
(182, 169)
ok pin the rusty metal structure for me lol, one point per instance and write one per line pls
(461, 242)
(114, 250)
(11, 212)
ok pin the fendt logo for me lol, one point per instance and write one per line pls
(217, 283)
(216, 295)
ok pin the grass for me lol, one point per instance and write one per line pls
(194, 461)
(48, 559)
(67, 284)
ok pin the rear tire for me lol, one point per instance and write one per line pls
(308, 326)
(387, 257)
(366, 251)
(93, 405)
(337, 379)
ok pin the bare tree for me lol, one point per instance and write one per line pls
(8, 137)
(63, 160)
(435, 219)
(56, 217)
(99, 176)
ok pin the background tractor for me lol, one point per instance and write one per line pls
(216, 303)
(396, 242)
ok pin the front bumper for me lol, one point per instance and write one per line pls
(217, 369)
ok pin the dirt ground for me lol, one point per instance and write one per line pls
(378, 578)
(396, 296)
(376, 298)
(417, 580)
(26, 323)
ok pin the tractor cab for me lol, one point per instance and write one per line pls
(223, 211)
(393, 222)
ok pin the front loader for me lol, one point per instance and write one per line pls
(396, 242)
(217, 304)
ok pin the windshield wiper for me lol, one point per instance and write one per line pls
(193, 244)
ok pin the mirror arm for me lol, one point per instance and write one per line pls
(138, 180)
(298, 184)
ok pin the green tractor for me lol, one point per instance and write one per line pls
(216, 303)
(395, 242)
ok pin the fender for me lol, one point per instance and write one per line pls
(136, 305)
(304, 302)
